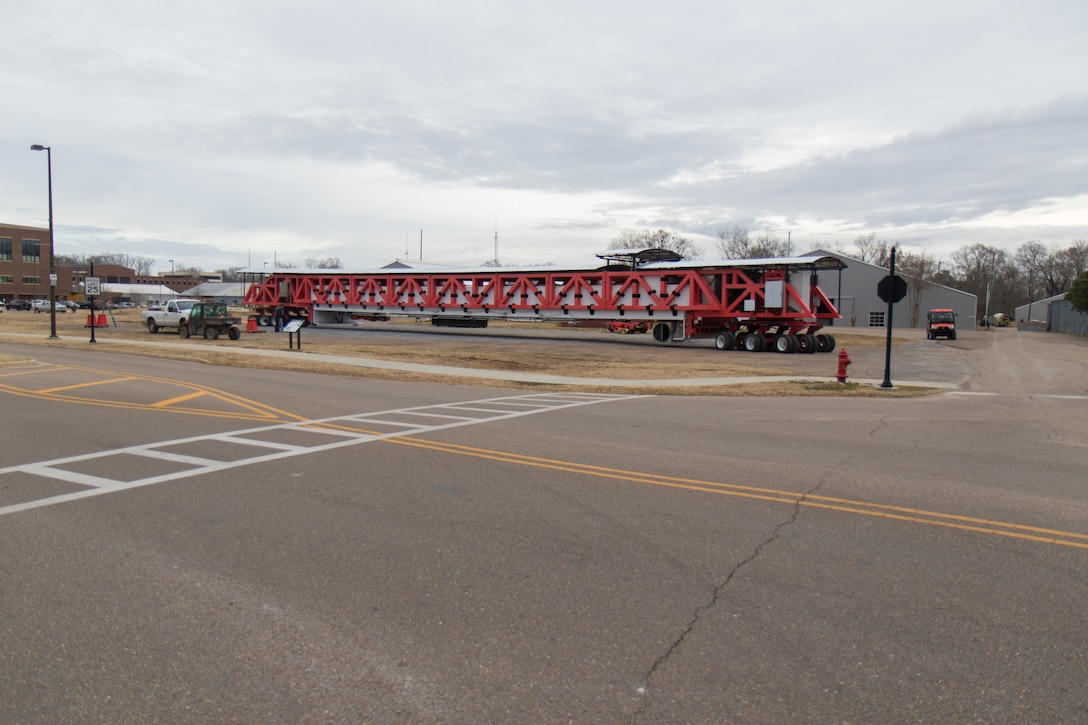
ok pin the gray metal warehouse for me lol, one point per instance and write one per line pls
(854, 294)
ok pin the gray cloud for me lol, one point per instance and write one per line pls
(338, 127)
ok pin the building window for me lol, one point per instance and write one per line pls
(32, 280)
(876, 319)
(5, 249)
(32, 250)
(7, 279)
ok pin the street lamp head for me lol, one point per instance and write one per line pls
(39, 147)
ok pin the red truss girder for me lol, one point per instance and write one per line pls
(716, 292)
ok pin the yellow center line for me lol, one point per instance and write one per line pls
(842, 505)
(47, 391)
(250, 410)
(36, 369)
(179, 399)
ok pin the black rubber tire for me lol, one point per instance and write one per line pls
(234, 333)
(784, 344)
(211, 333)
(753, 342)
(806, 344)
(828, 343)
(724, 340)
(183, 330)
(152, 326)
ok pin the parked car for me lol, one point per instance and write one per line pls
(43, 306)
(18, 305)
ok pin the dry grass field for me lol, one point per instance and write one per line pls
(522, 347)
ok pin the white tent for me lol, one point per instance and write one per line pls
(139, 293)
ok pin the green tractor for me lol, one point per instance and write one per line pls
(211, 319)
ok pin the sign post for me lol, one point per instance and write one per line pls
(92, 287)
(294, 331)
(891, 289)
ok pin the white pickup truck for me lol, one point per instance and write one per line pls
(171, 315)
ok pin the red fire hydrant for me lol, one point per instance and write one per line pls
(844, 360)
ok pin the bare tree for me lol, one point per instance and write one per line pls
(142, 266)
(230, 274)
(327, 263)
(737, 243)
(768, 244)
(989, 274)
(734, 243)
(659, 239)
(871, 249)
(919, 270)
(1061, 267)
(1078, 255)
(1030, 258)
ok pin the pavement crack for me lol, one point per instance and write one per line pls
(715, 597)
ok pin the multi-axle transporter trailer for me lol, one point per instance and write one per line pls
(750, 304)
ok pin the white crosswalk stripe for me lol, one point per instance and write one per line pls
(170, 460)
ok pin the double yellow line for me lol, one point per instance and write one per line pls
(842, 505)
(243, 408)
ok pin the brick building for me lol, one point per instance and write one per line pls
(24, 262)
(25, 265)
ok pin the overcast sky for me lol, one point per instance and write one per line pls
(223, 133)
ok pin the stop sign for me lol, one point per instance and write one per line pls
(892, 289)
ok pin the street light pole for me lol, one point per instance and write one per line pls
(52, 260)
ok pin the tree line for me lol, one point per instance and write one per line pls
(1006, 280)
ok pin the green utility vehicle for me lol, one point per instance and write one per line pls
(211, 319)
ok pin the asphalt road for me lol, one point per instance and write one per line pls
(186, 543)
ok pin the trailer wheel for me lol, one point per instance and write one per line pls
(234, 333)
(825, 343)
(724, 340)
(806, 343)
(753, 342)
(183, 330)
(784, 344)
(264, 320)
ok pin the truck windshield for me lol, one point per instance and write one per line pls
(186, 304)
(942, 317)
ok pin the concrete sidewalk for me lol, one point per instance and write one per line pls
(484, 375)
